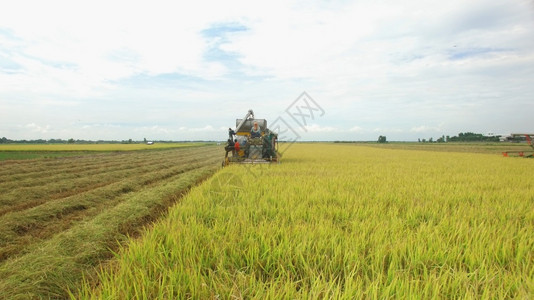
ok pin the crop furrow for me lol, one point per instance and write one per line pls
(89, 242)
(21, 229)
(87, 164)
(27, 166)
(72, 171)
(61, 188)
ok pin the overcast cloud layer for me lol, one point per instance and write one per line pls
(167, 71)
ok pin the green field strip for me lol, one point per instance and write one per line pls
(57, 265)
(97, 147)
(31, 155)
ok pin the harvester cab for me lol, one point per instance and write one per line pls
(251, 142)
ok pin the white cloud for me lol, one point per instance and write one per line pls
(316, 128)
(207, 128)
(85, 46)
(424, 128)
(387, 66)
(388, 130)
(356, 129)
(38, 128)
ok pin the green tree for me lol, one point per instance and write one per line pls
(382, 139)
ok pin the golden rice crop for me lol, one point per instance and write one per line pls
(341, 221)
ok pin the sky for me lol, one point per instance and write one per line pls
(325, 70)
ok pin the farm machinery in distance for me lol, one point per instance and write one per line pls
(251, 142)
(527, 153)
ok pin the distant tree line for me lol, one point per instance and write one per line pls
(463, 137)
(473, 137)
(5, 140)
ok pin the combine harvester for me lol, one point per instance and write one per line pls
(257, 144)
(528, 154)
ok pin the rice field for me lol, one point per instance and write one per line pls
(48, 151)
(340, 221)
(94, 147)
(61, 218)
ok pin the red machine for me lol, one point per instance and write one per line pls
(527, 153)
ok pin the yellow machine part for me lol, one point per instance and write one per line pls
(248, 133)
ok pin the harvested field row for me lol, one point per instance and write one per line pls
(106, 147)
(32, 225)
(62, 196)
(66, 169)
(64, 186)
(30, 219)
(31, 169)
(11, 167)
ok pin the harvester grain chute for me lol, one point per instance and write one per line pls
(528, 153)
(251, 142)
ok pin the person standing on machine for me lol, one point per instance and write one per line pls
(255, 132)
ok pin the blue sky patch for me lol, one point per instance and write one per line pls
(460, 53)
(217, 35)
(220, 30)
(8, 66)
